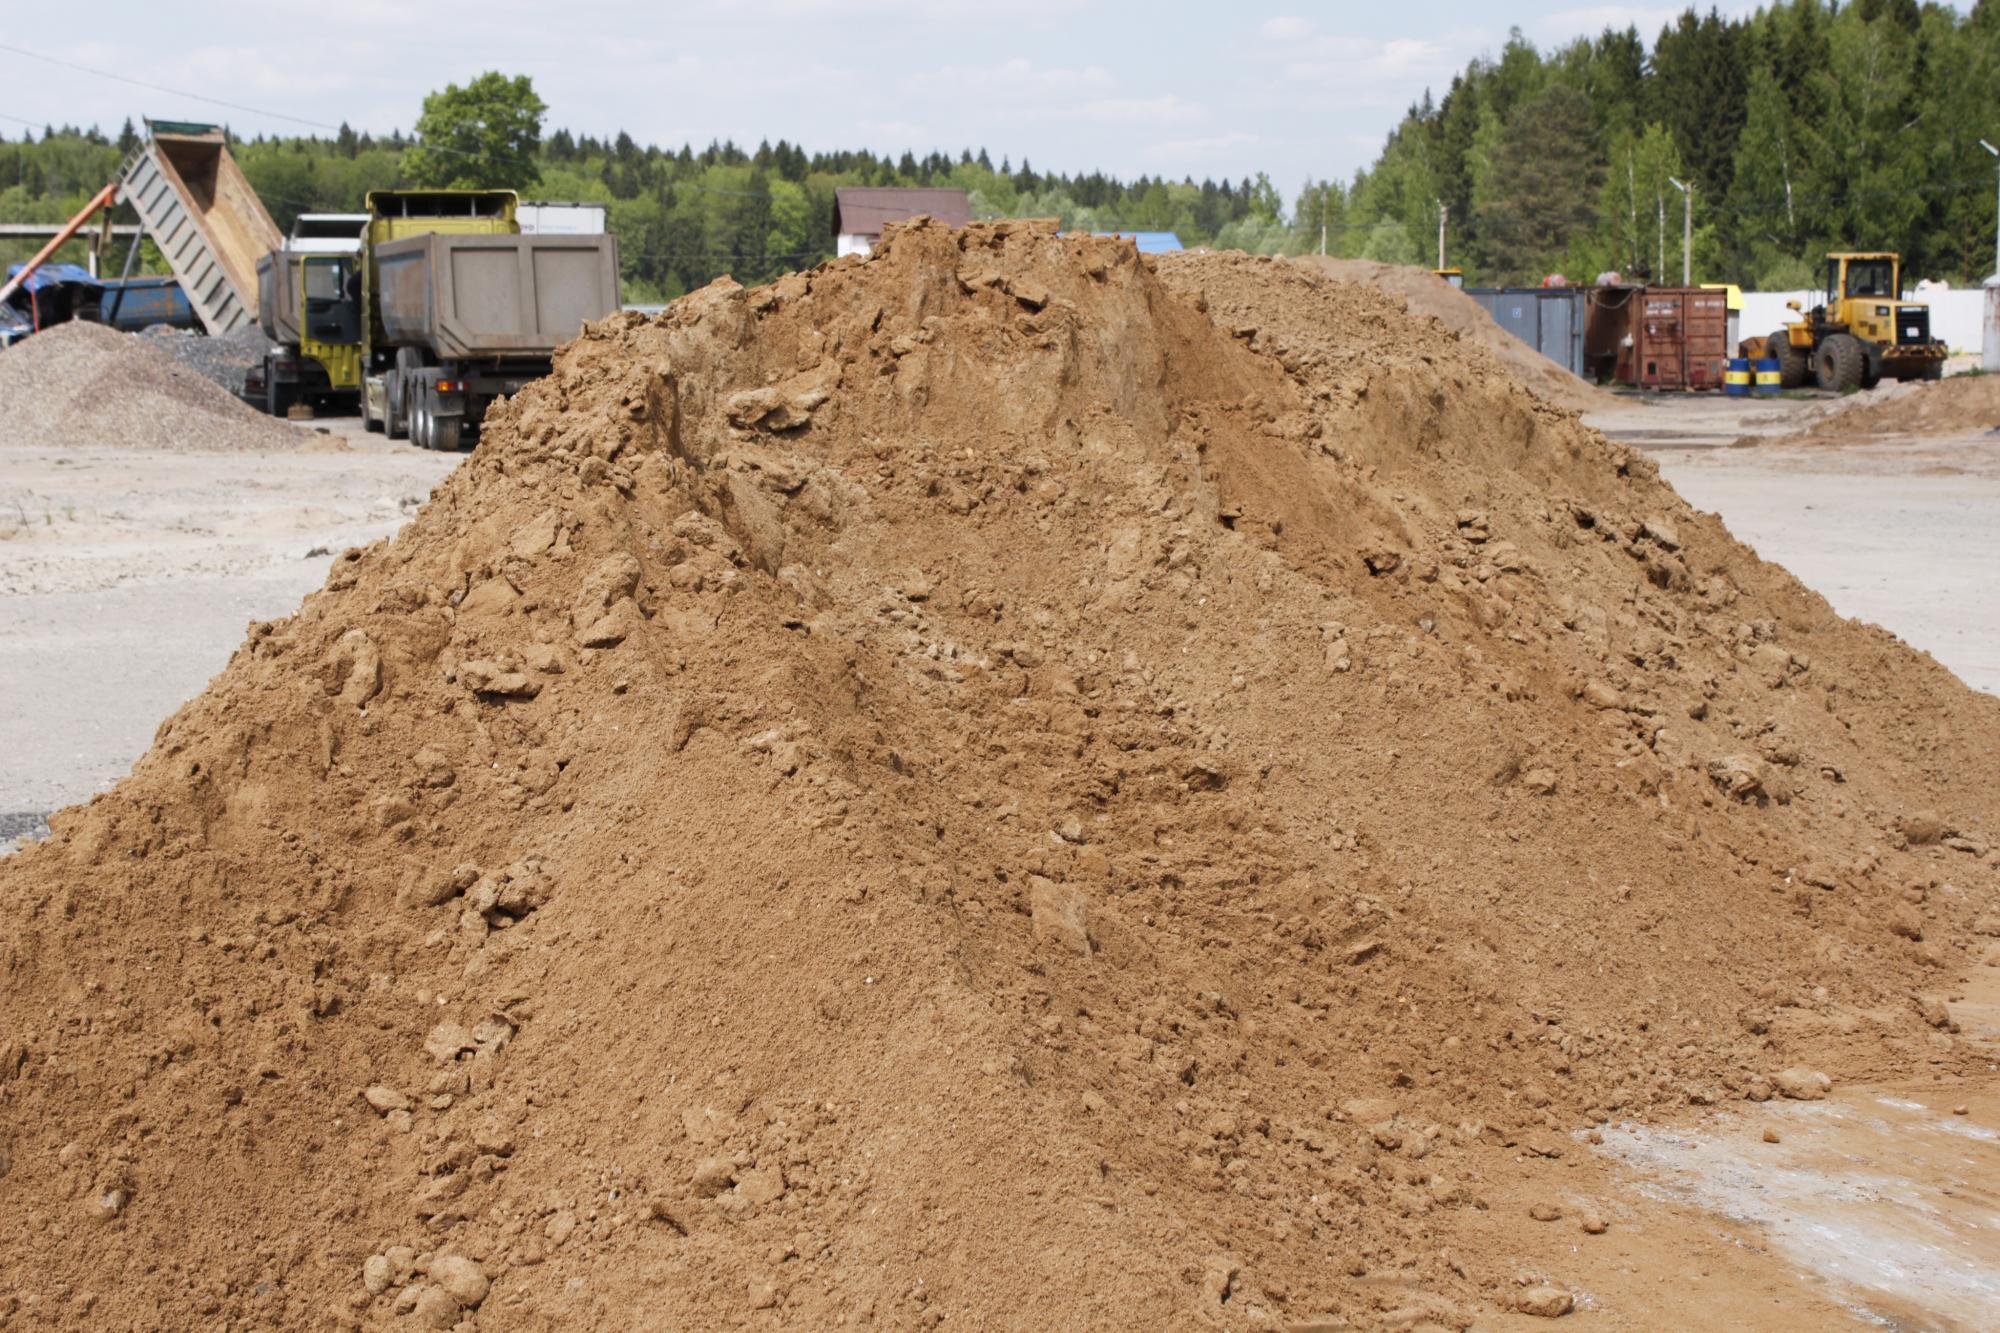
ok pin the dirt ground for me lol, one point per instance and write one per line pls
(127, 577)
(126, 581)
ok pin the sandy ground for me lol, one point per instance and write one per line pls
(1895, 531)
(127, 579)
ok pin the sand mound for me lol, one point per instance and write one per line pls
(1962, 405)
(969, 786)
(1427, 294)
(85, 384)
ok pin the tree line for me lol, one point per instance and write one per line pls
(1808, 126)
(683, 215)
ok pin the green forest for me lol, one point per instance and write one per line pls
(1806, 127)
(1803, 128)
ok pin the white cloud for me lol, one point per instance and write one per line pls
(1208, 149)
(1286, 28)
(1016, 79)
(1168, 110)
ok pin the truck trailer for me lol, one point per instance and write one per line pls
(441, 306)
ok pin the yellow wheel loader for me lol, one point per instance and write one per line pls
(1863, 330)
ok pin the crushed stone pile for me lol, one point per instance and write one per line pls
(1427, 294)
(1961, 405)
(85, 384)
(995, 783)
(224, 360)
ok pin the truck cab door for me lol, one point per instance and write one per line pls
(332, 307)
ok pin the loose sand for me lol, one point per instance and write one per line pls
(996, 783)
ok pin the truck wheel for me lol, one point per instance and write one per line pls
(1933, 370)
(397, 425)
(445, 433)
(1839, 363)
(1871, 367)
(420, 423)
(277, 400)
(1794, 368)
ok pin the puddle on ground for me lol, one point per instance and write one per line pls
(1892, 1201)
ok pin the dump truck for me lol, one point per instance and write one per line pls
(1861, 331)
(440, 306)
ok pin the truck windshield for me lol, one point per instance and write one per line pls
(1871, 277)
(333, 301)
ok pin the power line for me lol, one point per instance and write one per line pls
(162, 88)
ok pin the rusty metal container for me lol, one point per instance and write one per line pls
(1683, 339)
(1658, 337)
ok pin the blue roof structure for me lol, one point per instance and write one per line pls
(54, 275)
(1149, 243)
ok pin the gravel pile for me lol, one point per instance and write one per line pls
(223, 360)
(85, 384)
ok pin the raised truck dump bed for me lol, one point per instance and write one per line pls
(468, 297)
(199, 208)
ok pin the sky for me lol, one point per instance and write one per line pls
(1301, 91)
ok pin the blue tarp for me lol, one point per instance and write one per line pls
(54, 275)
(1149, 242)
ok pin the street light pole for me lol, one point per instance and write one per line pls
(1996, 209)
(1687, 231)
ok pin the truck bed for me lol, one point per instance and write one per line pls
(469, 296)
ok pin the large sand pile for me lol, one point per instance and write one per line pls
(1424, 293)
(84, 384)
(1962, 405)
(986, 784)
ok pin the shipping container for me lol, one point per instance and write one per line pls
(1658, 337)
(543, 218)
(1548, 319)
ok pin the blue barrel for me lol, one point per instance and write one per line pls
(1769, 379)
(1736, 379)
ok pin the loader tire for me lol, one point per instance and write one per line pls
(1794, 367)
(1840, 363)
(1871, 367)
(1933, 370)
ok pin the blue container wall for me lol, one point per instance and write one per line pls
(145, 302)
(1548, 319)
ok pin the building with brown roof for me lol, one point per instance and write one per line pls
(860, 212)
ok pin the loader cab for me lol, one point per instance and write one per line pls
(1877, 276)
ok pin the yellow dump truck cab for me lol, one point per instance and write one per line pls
(1860, 331)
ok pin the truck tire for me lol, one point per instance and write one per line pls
(1933, 370)
(276, 400)
(445, 433)
(397, 426)
(1839, 363)
(1871, 365)
(1794, 367)
(420, 421)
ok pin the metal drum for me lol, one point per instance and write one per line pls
(1736, 379)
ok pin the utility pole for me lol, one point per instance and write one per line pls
(1322, 218)
(1660, 269)
(1687, 231)
(1442, 211)
(1996, 210)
